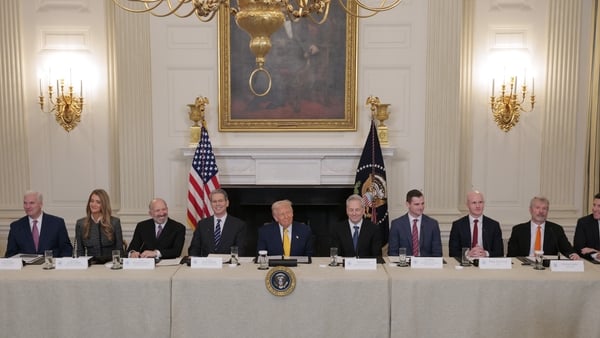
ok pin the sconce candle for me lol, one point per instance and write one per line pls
(67, 107)
(507, 107)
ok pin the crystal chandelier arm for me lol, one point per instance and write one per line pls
(151, 5)
(316, 11)
(373, 10)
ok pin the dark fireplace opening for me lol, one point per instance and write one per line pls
(319, 206)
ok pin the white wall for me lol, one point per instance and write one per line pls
(392, 49)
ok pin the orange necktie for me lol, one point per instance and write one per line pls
(538, 239)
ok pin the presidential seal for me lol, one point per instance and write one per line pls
(280, 281)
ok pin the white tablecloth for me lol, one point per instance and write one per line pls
(327, 302)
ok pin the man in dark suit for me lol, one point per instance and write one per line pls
(38, 231)
(539, 234)
(357, 236)
(159, 236)
(587, 234)
(284, 237)
(475, 231)
(415, 227)
(218, 233)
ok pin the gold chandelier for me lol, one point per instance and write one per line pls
(507, 107)
(66, 105)
(259, 18)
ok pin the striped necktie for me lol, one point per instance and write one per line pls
(218, 233)
(415, 238)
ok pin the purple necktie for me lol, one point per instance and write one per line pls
(36, 234)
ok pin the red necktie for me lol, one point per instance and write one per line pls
(36, 234)
(475, 233)
(415, 238)
(538, 239)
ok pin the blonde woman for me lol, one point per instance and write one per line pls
(98, 233)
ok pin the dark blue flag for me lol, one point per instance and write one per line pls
(370, 183)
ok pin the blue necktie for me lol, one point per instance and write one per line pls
(355, 237)
(218, 233)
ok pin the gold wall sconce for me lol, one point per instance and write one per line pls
(507, 107)
(66, 106)
(259, 19)
(380, 112)
(196, 114)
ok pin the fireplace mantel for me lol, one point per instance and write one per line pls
(288, 165)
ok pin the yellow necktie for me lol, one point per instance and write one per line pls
(286, 242)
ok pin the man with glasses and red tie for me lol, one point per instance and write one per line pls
(415, 231)
(38, 231)
(475, 231)
(539, 234)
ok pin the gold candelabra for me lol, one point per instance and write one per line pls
(67, 107)
(507, 107)
(196, 114)
(380, 112)
(259, 18)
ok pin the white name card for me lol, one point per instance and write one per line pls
(500, 263)
(206, 263)
(11, 263)
(426, 262)
(138, 263)
(360, 264)
(566, 266)
(68, 263)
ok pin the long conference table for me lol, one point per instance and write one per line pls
(178, 301)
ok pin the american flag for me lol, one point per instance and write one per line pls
(204, 178)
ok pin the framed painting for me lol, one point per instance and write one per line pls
(313, 77)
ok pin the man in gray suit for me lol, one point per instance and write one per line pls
(418, 233)
(219, 232)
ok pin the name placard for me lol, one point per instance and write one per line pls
(360, 264)
(499, 263)
(138, 263)
(11, 263)
(68, 263)
(566, 266)
(206, 263)
(426, 262)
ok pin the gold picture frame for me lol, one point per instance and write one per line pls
(313, 89)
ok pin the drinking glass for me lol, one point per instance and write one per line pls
(333, 254)
(539, 260)
(263, 263)
(48, 260)
(464, 258)
(116, 260)
(402, 257)
(234, 256)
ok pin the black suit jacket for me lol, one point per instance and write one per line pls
(554, 240)
(586, 234)
(169, 243)
(53, 236)
(460, 237)
(369, 240)
(233, 234)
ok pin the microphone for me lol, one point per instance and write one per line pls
(555, 241)
(75, 254)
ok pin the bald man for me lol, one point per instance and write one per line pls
(475, 231)
(157, 237)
